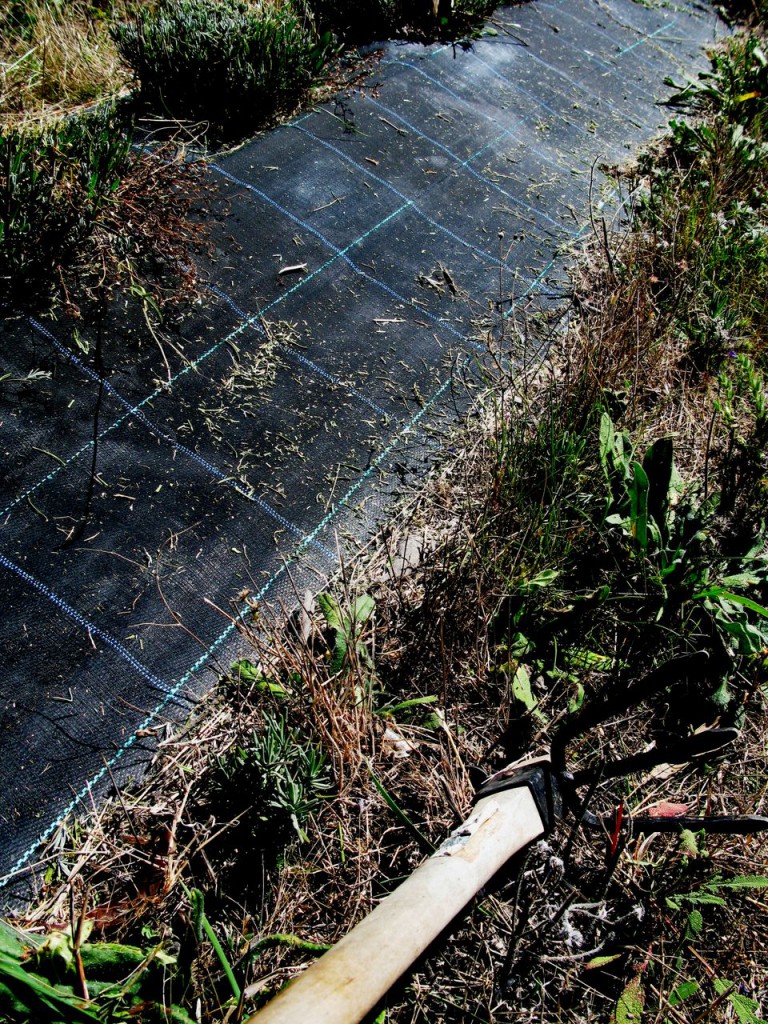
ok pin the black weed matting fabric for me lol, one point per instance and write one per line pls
(299, 401)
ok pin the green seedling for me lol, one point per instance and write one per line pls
(278, 772)
(245, 671)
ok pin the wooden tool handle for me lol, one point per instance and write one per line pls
(347, 981)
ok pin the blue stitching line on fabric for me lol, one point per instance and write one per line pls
(569, 14)
(92, 629)
(347, 259)
(191, 366)
(170, 698)
(579, 85)
(265, 507)
(435, 224)
(298, 357)
(651, 35)
(465, 163)
(201, 661)
(585, 89)
(488, 117)
(513, 85)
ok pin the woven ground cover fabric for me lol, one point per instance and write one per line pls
(298, 402)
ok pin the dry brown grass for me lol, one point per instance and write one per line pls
(56, 57)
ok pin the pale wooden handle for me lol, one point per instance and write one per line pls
(348, 980)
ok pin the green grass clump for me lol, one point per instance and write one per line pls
(229, 63)
(703, 211)
(278, 774)
(55, 183)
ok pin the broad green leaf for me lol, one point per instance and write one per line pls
(340, 649)
(35, 992)
(519, 645)
(545, 578)
(684, 990)
(405, 705)
(622, 454)
(245, 670)
(750, 638)
(741, 579)
(521, 688)
(12, 941)
(694, 925)
(249, 673)
(111, 960)
(606, 442)
(575, 702)
(330, 610)
(689, 843)
(746, 1009)
(362, 609)
(728, 595)
(629, 1007)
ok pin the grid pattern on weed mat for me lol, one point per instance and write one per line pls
(293, 402)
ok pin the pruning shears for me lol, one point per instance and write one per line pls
(512, 809)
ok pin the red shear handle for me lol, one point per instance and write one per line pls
(347, 981)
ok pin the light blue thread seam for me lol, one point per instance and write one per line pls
(571, 81)
(299, 357)
(489, 117)
(584, 88)
(416, 209)
(347, 259)
(513, 85)
(201, 661)
(651, 35)
(249, 323)
(610, 38)
(265, 507)
(89, 627)
(463, 163)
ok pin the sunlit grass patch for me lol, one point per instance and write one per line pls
(55, 56)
